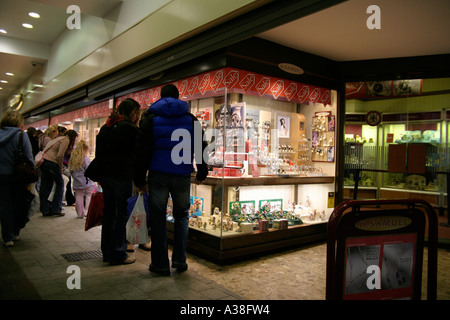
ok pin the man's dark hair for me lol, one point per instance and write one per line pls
(170, 91)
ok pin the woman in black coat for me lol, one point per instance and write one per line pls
(115, 149)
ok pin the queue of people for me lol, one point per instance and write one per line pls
(134, 157)
(15, 200)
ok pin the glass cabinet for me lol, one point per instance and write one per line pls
(405, 154)
(268, 185)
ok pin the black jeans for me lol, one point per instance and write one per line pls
(115, 217)
(51, 173)
(14, 204)
(160, 185)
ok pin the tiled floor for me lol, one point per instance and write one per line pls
(35, 269)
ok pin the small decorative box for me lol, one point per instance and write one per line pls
(263, 225)
(276, 224)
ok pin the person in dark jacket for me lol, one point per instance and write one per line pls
(167, 139)
(115, 149)
(13, 210)
(33, 136)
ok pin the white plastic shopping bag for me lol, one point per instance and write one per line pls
(137, 232)
(35, 203)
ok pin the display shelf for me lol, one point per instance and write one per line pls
(267, 180)
(363, 192)
(430, 196)
(432, 193)
(224, 246)
(223, 250)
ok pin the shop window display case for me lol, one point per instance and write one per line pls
(409, 154)
(265, 190)
(407, 162)
(422, 145)
(88, 130)
(361, 154)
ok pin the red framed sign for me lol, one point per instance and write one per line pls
(393, 275)
(378, 250)
(377, 254)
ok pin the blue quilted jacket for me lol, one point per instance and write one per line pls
(166, 141)
(171, 114)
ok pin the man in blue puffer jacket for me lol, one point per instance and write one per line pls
(168, 137)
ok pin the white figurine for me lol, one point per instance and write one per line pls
(323, 215)
(308, 202)
(312, 215)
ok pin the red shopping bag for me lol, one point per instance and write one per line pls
(95, 211)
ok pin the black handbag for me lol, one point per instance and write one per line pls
(24, 170)
(94, 170)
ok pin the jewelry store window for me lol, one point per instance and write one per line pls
(272, 156)
(271, 177)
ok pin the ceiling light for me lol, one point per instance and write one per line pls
(3, 31)
(34, 14)
(27, 25)
(1, 88)
(9, 74)
(3, 81)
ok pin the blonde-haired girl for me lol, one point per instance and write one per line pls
(82, 186)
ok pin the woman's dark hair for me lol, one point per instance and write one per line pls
(72, 134)
(61, 130)
(31, 131)
(127, 107)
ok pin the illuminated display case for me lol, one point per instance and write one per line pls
(409, 154)
(417, 138)
(263, 191)
(361, 151)
(408, 157)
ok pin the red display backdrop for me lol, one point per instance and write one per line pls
(213, 83)
(237, 81)
(97, 110)
(41, 124)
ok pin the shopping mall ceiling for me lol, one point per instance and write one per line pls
(23, 50)
(407, 28)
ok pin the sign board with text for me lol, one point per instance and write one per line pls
(377, 254)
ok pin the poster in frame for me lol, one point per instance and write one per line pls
(274, 204)
(284, 126)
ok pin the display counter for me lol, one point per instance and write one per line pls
(243, 230)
